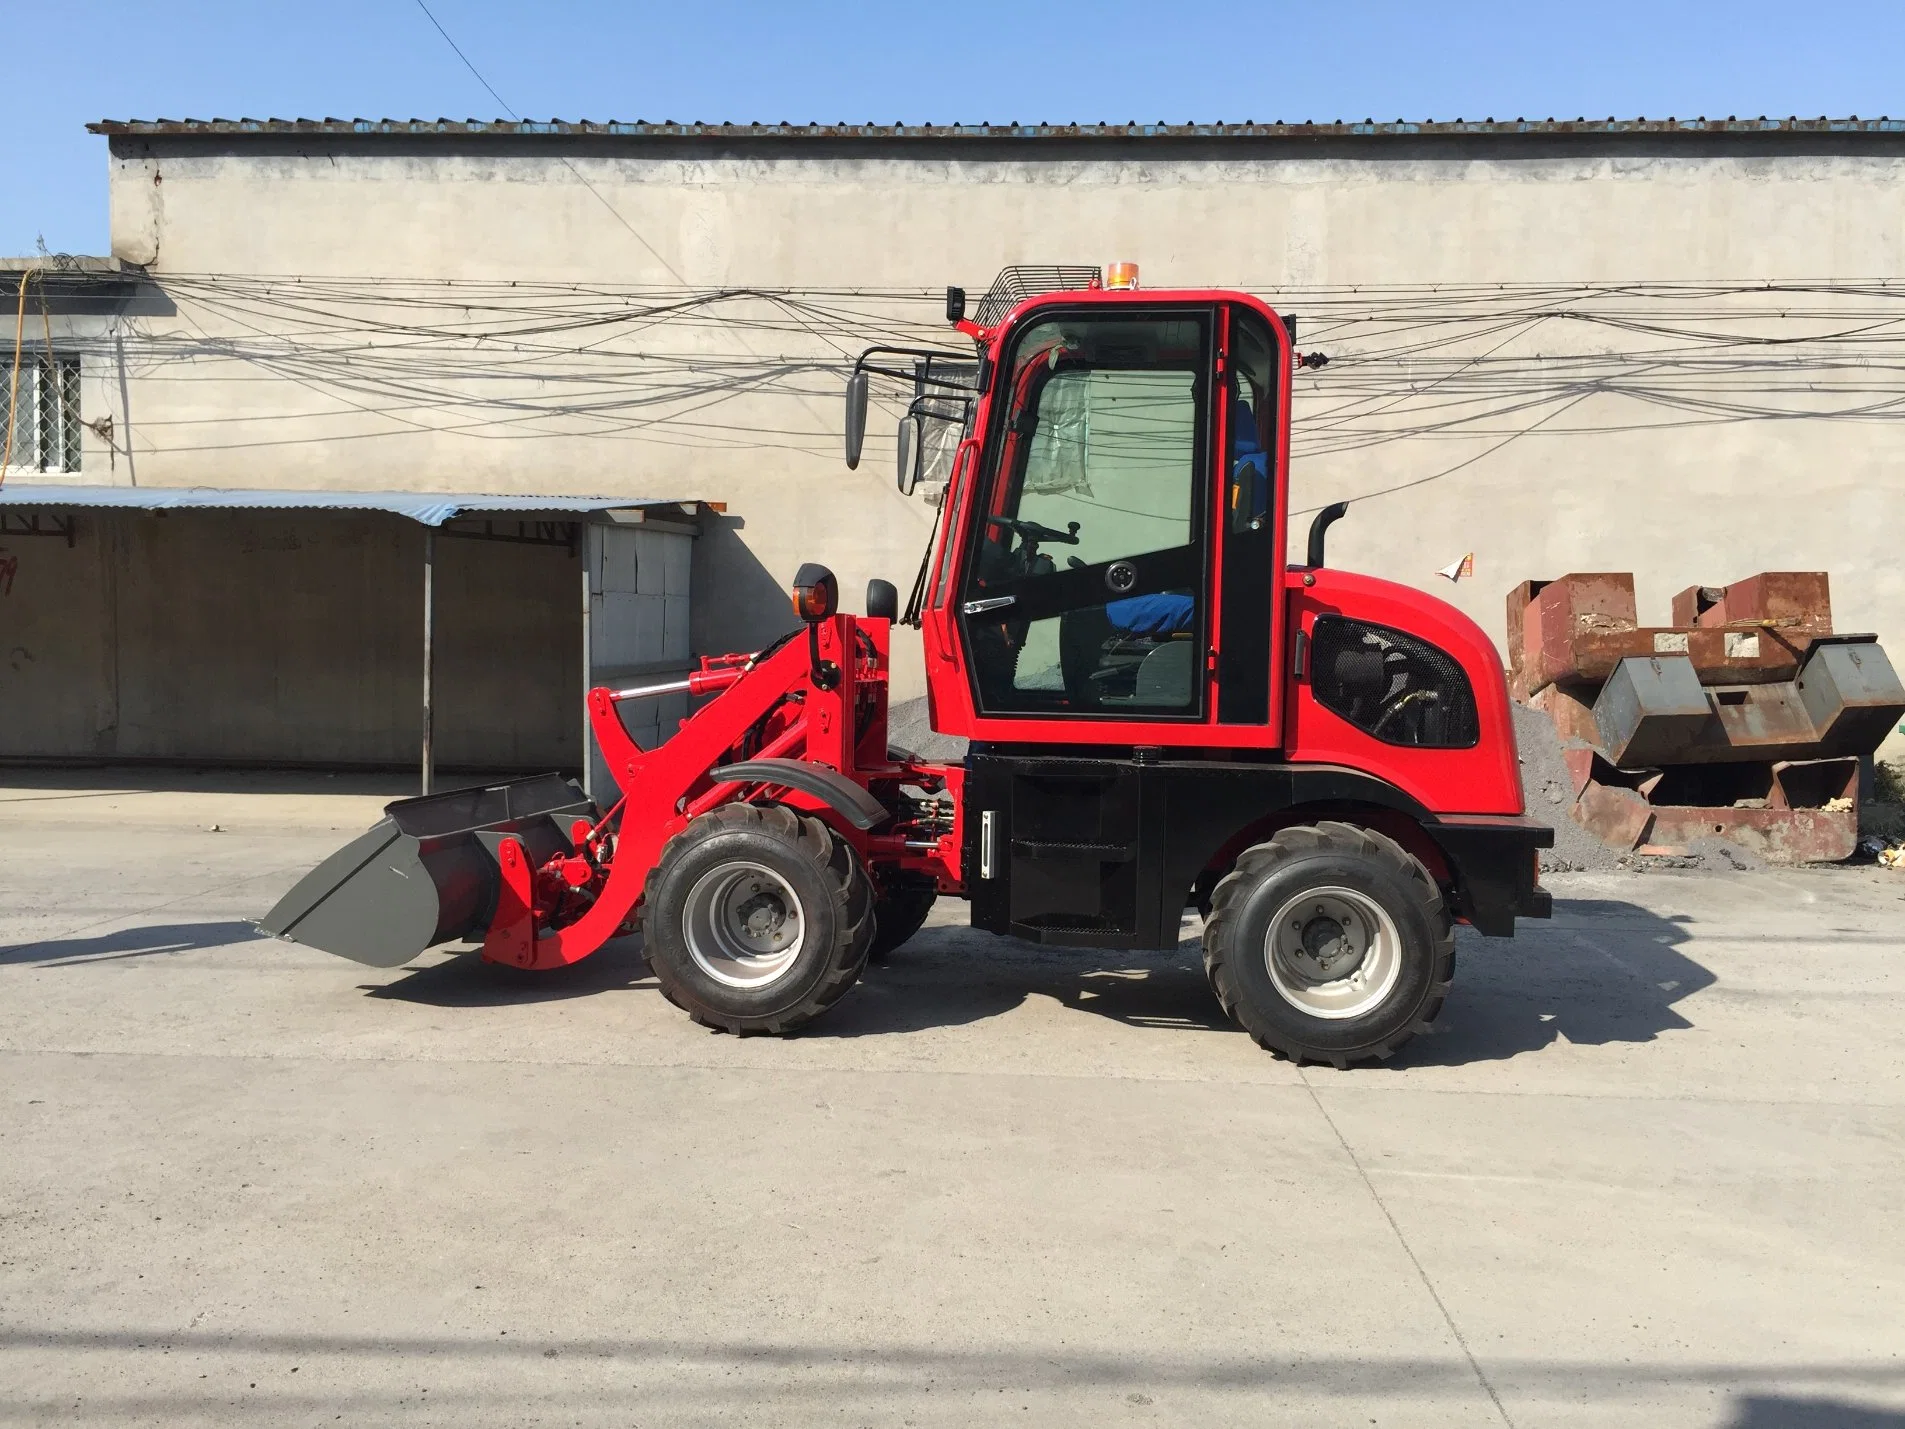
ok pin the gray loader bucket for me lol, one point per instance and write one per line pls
(426, 872)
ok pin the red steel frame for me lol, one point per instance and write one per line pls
(562, 912)
(772, 706)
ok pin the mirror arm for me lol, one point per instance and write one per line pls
(912, 374)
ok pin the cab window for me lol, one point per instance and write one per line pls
(1252, 559)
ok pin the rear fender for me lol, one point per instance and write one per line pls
(1484, 864)
(1484, 778)
(1404, 827)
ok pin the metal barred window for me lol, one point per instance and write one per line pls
(45, 413)
(1391, 684)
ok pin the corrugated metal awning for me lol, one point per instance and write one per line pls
(429, 508)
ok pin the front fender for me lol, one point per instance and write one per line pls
(839, 793)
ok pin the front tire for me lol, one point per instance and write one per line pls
(757, 919)
(1329, 943)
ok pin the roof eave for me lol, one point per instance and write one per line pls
(1247, 129)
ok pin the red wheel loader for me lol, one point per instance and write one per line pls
(1161, 715)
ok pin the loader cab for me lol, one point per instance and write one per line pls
(1110, 569)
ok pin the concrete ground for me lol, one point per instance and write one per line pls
(1648, 1170)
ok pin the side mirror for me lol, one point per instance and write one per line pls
(856, 418)
(883, 600)
(911, 441)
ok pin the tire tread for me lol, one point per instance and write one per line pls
(1256, 862)
(833, 858)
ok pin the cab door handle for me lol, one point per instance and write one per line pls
(997, 602)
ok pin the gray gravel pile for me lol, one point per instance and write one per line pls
(1547, 790)
(908, 728)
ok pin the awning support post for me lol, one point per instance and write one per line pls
(429, 651)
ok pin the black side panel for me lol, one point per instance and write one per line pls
(1064, 839)
(1103, 852)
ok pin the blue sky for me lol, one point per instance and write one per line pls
(1025, 61)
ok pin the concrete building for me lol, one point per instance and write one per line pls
(1666, 347)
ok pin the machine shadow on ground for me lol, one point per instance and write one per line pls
(1778, 1411)
(129, 943)
(1605, 971)
(465, 980)
(951, 976)
(1602, 971)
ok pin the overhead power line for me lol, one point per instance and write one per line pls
(467, 64)
(600, 198)
(703, 367)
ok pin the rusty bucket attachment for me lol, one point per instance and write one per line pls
(425, 873)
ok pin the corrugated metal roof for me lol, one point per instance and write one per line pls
(431, 508)
(1247, 129)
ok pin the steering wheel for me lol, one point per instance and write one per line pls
(1033, 531)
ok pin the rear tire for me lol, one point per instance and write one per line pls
(1329, 943)
(900, 912)
(757, 919)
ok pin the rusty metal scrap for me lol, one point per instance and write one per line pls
(1577, 630)
(1743, 720)
(1792, 601)
(1802, 812)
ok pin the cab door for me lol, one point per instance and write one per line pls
(1252, 379)
(1086, 589)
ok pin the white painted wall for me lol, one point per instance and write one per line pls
(1675, 504)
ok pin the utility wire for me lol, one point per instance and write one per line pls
(529, 359)
(1460, 465)
(602, 198)
(613, 211)
(466, 61)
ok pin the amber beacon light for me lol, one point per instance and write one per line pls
(1121, 276)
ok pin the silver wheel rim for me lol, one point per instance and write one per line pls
(1333, 953)
(743, 924)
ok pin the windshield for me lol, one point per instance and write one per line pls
(1084, 590)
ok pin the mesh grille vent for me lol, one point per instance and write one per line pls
(1392, 685)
